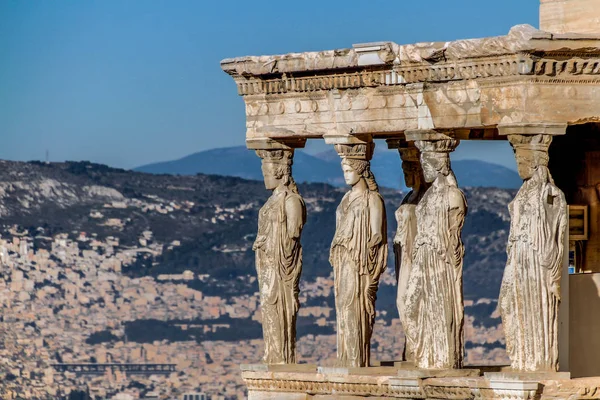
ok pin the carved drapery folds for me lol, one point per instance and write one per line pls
(406, 231)
(428, 248)
(279, 255)
(530, 293)
(358, 255)
(433, 302)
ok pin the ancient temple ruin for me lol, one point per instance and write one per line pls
(537, 88)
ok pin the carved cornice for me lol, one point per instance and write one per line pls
(521, 39)
(514, 65)
(552, 67)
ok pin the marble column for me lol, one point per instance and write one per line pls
(530, 294)
(434, 298)
(358, 252)
(406, 231)
(278, 251)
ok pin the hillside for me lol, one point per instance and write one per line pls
(325, 167)
(100, 255)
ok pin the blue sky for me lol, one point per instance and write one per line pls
(126, 83)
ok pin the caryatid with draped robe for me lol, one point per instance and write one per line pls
(530, 291)
(279, 256)
(433, 301)
(358, 255)
(406, 230)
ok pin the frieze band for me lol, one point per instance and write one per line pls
(514, 65)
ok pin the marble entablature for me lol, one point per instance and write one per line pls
(384, 89)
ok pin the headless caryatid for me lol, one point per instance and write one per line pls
(433, 302)
(358, 256)
(530, 292)
(406, 231)
(279, 256)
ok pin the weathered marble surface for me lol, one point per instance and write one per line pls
(279, 256)
(580, 16)
(434, 299)
(406, 230)
(358, 256)
(530, 292)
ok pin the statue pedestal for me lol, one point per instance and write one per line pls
(303, 381)
(509, 375)
(278, 367)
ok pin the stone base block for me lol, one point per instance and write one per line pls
(511, 375)
(343, 371)
(279, 367)
(393, 382)
(438, 373)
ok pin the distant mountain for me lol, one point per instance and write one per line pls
(477, 173)
(229, 161)
(324, 167)
(240, 162)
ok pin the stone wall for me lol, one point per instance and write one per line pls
(561, 16)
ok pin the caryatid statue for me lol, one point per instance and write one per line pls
(433, 303)
(406, 230)
(530, 291)
(358, 255)
(279, 256)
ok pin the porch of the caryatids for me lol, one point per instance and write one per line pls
(530, 292)
(433, 301)
(278, 250)
(406, 231)
(358, 251)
